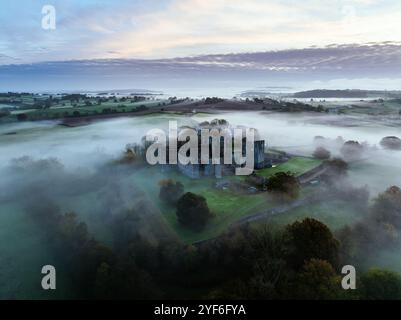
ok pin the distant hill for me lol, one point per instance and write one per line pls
(320, 93)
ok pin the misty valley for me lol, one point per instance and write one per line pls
(77, 193)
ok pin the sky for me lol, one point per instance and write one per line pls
(199, 47)
(150, 29)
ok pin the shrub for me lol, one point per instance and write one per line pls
(284, 184)
(322, 153)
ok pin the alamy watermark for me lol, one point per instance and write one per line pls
(348, 282)
(48, 17)
(49, 280)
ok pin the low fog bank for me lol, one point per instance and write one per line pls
(74, 168)
(71, 168)
(73, 160)
(79, 147)
(295, 133)
(43, 165)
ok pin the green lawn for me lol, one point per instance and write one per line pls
(297, 165)
(227, 206)
(68, 110)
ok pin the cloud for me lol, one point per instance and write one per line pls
(170, 28)
(196, 27)
(372, 60)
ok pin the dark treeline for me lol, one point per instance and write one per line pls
(300, 261)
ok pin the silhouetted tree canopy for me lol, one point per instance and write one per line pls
(321, 153)
(284, 184)
(393, 143)
(193, 211)
(387, 207)
(352, 150)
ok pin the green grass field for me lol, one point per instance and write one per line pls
(65, 108)
(297, 165)
(60, 111)
(227, 206)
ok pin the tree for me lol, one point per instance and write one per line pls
(392, 143)
(265, 251)
(319, 141)
(22, 117)
(318, 281)
(284, 184)
(321, 153)
(213, 100)
(193, 211)
(48, 103)
(352, 150)
(170, 191)
(379, 284)
(4, 113)
(310, 239)
(387, 207)
(124, 280)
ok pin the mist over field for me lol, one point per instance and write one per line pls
(87, 148)
(295, 134)
(82, 82)
(45, 163)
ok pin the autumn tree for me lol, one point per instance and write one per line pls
(392, 142)
(310, 239)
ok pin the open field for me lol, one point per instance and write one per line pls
(82, 111)
(45, 107)
(228, 206)
(296, 165)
